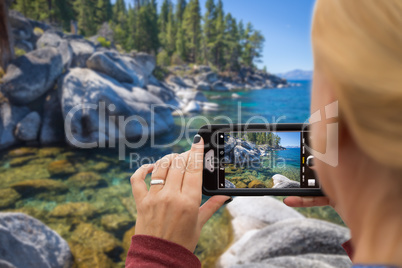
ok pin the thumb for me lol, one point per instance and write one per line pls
(210, 207)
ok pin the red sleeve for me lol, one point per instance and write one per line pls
(348, 247)
(148, 251)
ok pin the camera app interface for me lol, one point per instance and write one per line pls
(265, 160)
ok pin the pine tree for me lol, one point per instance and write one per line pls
(180, 7)
(103, 11)
(192, 30)
(86, 13)
(232, 41)
(220, 36)
(163, 21)
(209, 31)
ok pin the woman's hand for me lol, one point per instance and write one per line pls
(172, 211)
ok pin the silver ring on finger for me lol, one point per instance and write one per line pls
(157, 182)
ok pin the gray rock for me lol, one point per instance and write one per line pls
(281, 181)
(209, 77)
(266, 210)
(86, 87)
(245, 157)
(203, 86)
(52, 130)
(219, 86)
(52, 39)
(22, 29)
(188, 96)
(28, 128)
(6, 264)
(82, 50)
(10, 115)
(31, 75)
(228, 184)
(163, 93)
(27, 242)
(192, 107)
(293, 237)
(146, 61)
(122, 68)
(177, 81)
(304, 260)
(24, 45)
(49, 39)
(202, 68)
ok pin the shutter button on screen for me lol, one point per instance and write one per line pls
(310, 161)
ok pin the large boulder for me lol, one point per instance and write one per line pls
(10, 115)
(84, 93)
(301, 261)
(120, 67)
(209, 77)
(31, 75)
(203, 86)
(219, 86)
(147, 62)
(290, 237)
(281, 182)
(52, 39)
(265, 210)
(188, 96)
(161, 92)
(28, 128)
(243, 156)
(82, 50)
(52, 130)
(22, 28)
(27, 242)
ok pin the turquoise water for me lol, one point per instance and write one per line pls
(66, 187)
(289, 157)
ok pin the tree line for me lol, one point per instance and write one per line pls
(260, 138)
(177, 33)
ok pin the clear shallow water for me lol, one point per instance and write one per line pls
(84, 193)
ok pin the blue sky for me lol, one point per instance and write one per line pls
(285, 25)
(289, 138)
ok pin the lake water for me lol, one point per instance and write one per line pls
(85, 193)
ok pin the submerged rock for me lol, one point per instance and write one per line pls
(281, 181)
(88, 257)
(61, 168)
(256, 184)
(23, 151)
(28, 128)
(97, 240)
(27, 242)
(32, 187)
(30, 76)
(117, 224)
(80, 210)
(86, 180)
(8, 197)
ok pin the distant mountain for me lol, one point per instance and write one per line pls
(297, 75)
(291, 146)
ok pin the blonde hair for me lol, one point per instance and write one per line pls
(357, 44)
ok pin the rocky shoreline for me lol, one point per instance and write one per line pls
(60, 71)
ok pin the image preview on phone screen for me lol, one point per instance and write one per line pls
(262, 159)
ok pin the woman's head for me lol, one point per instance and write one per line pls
(357, 48)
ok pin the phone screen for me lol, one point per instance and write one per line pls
(265, 159)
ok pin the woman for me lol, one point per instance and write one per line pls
(357, 61)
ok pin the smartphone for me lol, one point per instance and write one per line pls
(258, 159)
